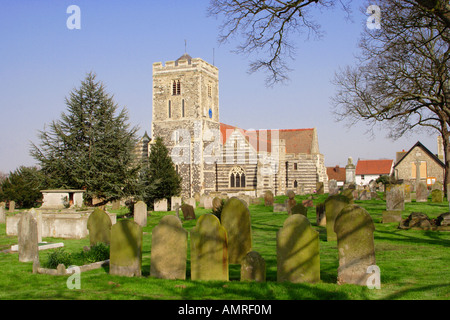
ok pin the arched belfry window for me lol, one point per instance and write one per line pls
(237, 178)
(176, 88)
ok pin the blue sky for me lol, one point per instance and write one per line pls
(41, 61)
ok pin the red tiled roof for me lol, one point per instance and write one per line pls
(336, 173)
(374, 166)
(297, 140)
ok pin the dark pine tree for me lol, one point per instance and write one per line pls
(91, 147)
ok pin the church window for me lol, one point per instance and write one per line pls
(170, 109)
(182, 108)
(295, 166)
(237, 178)
(209, 90)
(295, 184)
(176, 88)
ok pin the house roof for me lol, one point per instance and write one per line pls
(420, 145)
(297, 140)
(336, 173)
(383, 166)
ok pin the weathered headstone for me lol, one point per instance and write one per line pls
(169, 249)
(216, 203)
(332, 187)
(308, 203)
(389, 216)
(437, 196)
(321, 219)
(279, 207)
(188, 212)
(235, 218)
(354, 229)
(174, 201)
(319, 187)
(99, 226)
(160, 205)
(140, 213)
(12, 206)
(299, 209)
(126, 249)
(268, 198)
(298, 257)
(407, 192)
(209, 251)
(333, 205)
(115, 205)
(245, 198)
(289, 204)
(290, 194)
(28, 238)
(253, 267)
(421, 192)
(349, 194)
(395, 198)
(2, 214)
(197, 196)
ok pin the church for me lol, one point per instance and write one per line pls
(213, 157)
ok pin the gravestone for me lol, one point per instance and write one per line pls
(191, 202)
(289, 204)
(99, 226)
(174, 201)
(245, 198)
(126, 249)
(290, 194)
(407, 192)
(209, 251)
(279, 207)
(188, 211)
(298, 257)
(421, 192)
(321, 220)
(160, 205)
(2, 214)
(28, 238)
(349, 194)
(391, 216)
(207, 202)
(253, 267)
(299, 209)
(395, 198)
(235, 218)
(140, 213)
(197, 196)
(115, 205)
(319, 187)
(354, 229)
(12, 206)
(437, 196)
(169, 249)
(216, 203)
(332, 187)
(308, 203)
(268, 198)
(333, 205)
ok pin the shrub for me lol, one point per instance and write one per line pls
(59, 256)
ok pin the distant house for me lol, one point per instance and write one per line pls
(336, 173)
(431, 168)
(370, 170)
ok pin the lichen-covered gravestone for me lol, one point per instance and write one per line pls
(437, 196)
(333, 205)
(169, 249)
(298, 257)
(235, 219)
(126, 249)
(140, 213)
(395, 198)
(268, 198)
(2, 213)
(209, 253)
(253, 267)
(354, 228)
(28, 238)
(299, 209)
(421, 192)
(99, 226)
(321, 220)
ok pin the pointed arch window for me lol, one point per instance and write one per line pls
(237, 178)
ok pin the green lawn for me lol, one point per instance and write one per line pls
(414, 265)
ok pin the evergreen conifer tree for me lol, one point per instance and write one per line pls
(91, 147)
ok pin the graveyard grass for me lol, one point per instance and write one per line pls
(414, 264)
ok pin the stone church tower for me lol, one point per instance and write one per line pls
(185, 109)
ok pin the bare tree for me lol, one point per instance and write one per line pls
(402, 78)
(267, 27)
